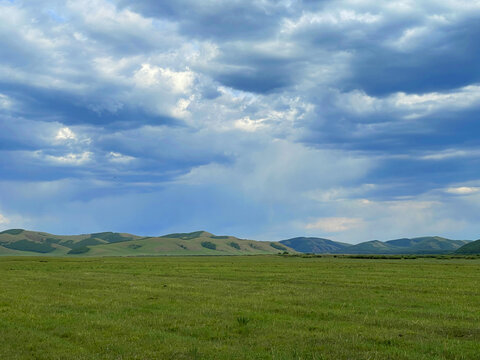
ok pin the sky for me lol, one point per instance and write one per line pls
(351, 120)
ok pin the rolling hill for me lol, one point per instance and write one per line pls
(24, 242)
(427, 245)
(470, 248)
(369, 247)
(315, 245)
(420, 245)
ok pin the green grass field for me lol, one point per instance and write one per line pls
(252, 307)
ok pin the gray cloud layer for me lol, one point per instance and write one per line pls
(343, 119)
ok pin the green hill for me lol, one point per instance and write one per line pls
(428, 244)
(470, 248)
(315, 245)
(369, 247)
(24, 242)
(420, 245)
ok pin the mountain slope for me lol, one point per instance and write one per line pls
(427, 244)
(420, 245)
(201, 244)
(470, 248)
(23, 242)
(370, 247)
(315, 245)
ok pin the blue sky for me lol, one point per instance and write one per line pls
(352, 120)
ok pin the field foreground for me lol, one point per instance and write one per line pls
(256, 307)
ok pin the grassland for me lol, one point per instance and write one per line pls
(252, 307)
(33, 243)
(201, 245)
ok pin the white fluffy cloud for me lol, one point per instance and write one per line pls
(179, 82)
(65, 133)
(3, 220)
(463, 190)
(69, 159)
(334, 224)
(118, 158)
(5, 102)
(410, 106)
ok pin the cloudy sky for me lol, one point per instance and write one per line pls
(349, 119)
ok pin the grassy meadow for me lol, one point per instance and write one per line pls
(19, 242)
(245, 307)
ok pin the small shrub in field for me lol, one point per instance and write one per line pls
(209, 245)
(242, 320)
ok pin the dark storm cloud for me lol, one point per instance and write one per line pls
(451, 60)
(391, 133)
(73, 109)
(220, 20)
(246, 106)
(256, 80)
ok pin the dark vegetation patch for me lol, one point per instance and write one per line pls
(80, 250)
(278, 247)
(219, 237)
(13, 231)
(82, 243)
(33, 236)
(315, 245)
(243, 321)
(134, 246)
(111, 237)
(184, 236)
(234, 245)
(27, 245)
(52, 241)
(209, 245)
(254, 246)
(183, 246)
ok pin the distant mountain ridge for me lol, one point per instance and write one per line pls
(25, 242)
(470, 248)
(420, 245)
(315, 245)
